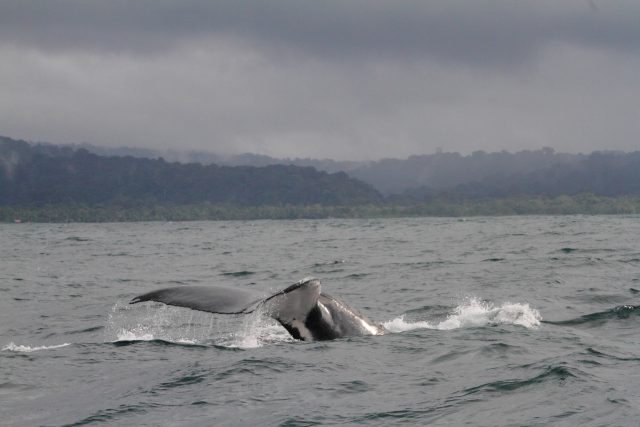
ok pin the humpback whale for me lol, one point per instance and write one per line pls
(305, 312)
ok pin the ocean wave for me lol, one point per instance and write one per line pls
(474, 312)
(110, 414)
(594, 319)
(242, 273)
(551, 373)
(28, 349)
(133, 335)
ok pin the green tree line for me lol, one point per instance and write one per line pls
(47, 183)
(46, 175)
(443, 207)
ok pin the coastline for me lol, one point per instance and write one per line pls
(583, 204)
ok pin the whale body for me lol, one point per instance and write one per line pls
(304, 311)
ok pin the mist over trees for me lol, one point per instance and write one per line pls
(48, 174)
(599, 173)
(502, 174)
(482, 174)
(445, 171)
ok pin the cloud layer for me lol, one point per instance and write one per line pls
(343, 79)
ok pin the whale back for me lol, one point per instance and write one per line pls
(346, 320)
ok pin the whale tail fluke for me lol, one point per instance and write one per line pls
(301, 308)
(212, 299)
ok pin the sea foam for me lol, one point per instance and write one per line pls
(474, 312)
(28, 349)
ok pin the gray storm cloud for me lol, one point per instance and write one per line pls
(344, 79)
(481, 31)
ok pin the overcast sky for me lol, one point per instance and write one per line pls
(348, 79)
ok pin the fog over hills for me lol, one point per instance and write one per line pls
(480, 173)
(50, 174)
(45, 173)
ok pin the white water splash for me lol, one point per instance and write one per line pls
(28, 349)
(127, 323)
(256, 330)
(183, 326)
(399, 324)
(473, 313)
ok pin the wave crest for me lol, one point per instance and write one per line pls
(620, 312)
(473, 313)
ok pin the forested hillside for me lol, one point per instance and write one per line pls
(501, 174)
(480, 174)
(47, 174)
(601, 173)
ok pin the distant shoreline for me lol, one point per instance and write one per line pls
(585, 204)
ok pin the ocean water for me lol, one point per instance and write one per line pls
(502, 321)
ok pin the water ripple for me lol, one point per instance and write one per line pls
(552, 373)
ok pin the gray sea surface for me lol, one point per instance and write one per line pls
(503, 321)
